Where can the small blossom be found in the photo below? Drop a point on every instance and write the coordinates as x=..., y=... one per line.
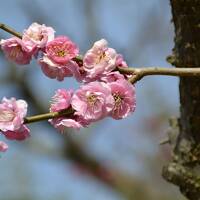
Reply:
x=56, y=71
x=3, y=146
x=21, y=134
x=99, y=59
x=124, y=95
x=16, y=51
x=61, y=50
x=112, y=77
x=93, y=101
x=120, y=61
x=60, y=101
x=74, y=121
x=57, y=61
x=37, y=36
x=12, y=113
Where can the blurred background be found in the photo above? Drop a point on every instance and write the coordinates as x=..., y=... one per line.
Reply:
x=110, y=160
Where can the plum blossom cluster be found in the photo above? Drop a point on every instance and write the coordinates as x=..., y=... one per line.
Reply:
x=59, y=57
x=104, y=93
x=94, y=101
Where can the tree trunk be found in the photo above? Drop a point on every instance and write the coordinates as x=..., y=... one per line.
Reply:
x=184, y=171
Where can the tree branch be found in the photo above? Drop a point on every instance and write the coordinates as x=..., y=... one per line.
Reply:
x=10, y=30
x=137, y=74
x=51, y=115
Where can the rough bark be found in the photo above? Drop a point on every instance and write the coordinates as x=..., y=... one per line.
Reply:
x=184, y=171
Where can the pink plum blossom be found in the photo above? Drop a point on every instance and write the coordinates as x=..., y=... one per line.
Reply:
x=74, y=121
x=16, y=51
x=21, y=134
x=61, y=50
x=12, y=113
x=57, y=61
x=60, y=101
x=93, y=101
x=37, y=36
x=3, y=146
x=120, y=61
x=124, y=95
x=99, y=59
x=57, y=71
x=112, y=77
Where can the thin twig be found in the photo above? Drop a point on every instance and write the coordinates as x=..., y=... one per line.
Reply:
x=51, y=115
x=139, y=73
x=10, y=30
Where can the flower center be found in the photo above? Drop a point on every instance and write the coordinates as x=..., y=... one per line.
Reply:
x=6, y=116
x=61, y=53
x=118, y=99
x=92, y=99
x=100, y=57
x=36, y=36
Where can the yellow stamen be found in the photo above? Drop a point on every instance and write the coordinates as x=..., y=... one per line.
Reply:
x=92, y=99
x=100, y=57
x=36, y=36
x=61, y=53
x=6, y=116
x=118, y=99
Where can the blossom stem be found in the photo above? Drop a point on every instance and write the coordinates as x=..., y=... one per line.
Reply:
x=10, y=30
x=51, y=115
x=139, y=73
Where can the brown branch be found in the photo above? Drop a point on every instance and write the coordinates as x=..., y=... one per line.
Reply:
x=139, y=73
x=10, y=30
x=51, y=115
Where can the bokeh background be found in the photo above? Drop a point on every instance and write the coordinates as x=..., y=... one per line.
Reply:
x=111, y=160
